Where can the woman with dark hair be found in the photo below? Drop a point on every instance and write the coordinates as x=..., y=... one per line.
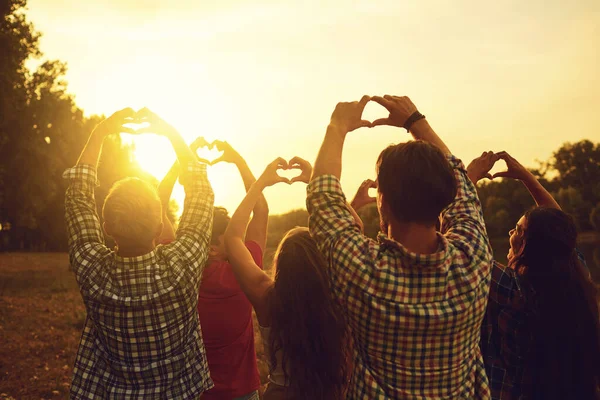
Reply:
x=541, y=334
x=303, y=329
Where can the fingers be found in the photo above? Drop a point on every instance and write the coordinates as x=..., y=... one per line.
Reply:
x=217, y=160
x=388, y=104
x=280, y=163
x=381, y=121
x=125, y=129
x=363, y=102
x=147, y=129
x=503, y=174
x=124, y=113
x=299, y=163
x=364, y=124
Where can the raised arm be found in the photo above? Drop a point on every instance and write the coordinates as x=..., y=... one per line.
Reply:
x=165, y=189
x=85, y=236
x=404, y=114
x=257, y=228
x=252, y=279
x=195, y=226
x=515, y=170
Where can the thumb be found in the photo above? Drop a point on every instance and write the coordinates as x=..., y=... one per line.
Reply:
x=489, y=176
x=503, y=174
x=364, y=124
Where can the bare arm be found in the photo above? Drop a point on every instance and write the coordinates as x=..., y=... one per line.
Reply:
x=345, y=118
x=165, y=189
x=516, y=171
x=257, y=228
x=252, y=279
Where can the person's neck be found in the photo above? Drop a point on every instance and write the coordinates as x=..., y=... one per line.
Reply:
x=420, y=239
x=134, y=250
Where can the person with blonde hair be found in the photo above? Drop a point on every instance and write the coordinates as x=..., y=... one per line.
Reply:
x=141, y=338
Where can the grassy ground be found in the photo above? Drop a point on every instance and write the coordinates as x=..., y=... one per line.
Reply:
x=41, y=317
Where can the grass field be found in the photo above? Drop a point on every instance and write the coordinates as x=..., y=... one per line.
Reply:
x=42, y=314
x=41, y=317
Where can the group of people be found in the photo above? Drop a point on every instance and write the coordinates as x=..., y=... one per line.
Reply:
x=423, y=312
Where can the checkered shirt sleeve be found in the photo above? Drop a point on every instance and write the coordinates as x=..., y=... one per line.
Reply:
x=504, y=337
x=193, y=234
x=142, y=336
x=84, y=233
x=416, y=318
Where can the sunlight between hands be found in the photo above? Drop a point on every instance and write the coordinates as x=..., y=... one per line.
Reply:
x=114, y=123
x=362, y=197
x=347, y=116
x=305, y=168
x=514, y=169
x=399, y=107
x=480, y=167
x=270, y=176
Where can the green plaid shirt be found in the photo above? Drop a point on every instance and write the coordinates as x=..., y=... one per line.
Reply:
x=415, y=318
x=141, y=338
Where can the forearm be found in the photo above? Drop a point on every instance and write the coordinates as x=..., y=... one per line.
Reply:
x=91, y=151
x=185, y=155
x=239, y=220
x=540, y=195
x=165, y=187
x=421, y=130
x=249, y=179
x=329, y=159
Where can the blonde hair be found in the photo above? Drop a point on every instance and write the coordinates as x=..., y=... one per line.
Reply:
x=133, y=211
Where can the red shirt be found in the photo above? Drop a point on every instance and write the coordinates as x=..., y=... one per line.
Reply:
x=227, y=330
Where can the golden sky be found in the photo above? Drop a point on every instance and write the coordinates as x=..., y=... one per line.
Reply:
x=520, y=76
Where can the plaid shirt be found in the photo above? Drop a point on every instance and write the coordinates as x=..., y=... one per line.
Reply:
x=141, y=338
x=505, y=337
x=416, y=318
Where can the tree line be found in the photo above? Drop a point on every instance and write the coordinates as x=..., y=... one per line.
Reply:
x=42, y=130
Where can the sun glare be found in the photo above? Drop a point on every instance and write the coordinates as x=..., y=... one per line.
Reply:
x=183, y=97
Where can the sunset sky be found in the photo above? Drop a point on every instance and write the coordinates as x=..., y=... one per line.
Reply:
x=520, y=76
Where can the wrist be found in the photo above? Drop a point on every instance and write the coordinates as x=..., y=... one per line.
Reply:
x=334, y=129
x=420, y=126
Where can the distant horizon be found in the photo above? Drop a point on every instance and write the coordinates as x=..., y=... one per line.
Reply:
x=266, y=76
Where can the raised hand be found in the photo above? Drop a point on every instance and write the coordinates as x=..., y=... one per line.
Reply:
x=114, y=123
x=480, y=167
x=199, y=142
x=362, y=198
x=348, y=116
x=514, y=169
x=305, y=168
x=400, y=108
x=229, y=155
x=270, y=176
x=157, y=125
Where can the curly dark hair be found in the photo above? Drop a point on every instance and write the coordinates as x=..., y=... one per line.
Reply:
x=564, y=355
x=307, y=325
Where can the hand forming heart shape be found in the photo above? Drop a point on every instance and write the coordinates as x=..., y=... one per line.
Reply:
x=272, y=174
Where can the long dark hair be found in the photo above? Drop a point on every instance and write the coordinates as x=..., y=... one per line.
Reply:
x=307, y=325
x=564, y=355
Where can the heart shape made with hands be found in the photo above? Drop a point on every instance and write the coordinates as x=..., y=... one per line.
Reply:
x=290, y=171
x=136, y=122
x=209, y=153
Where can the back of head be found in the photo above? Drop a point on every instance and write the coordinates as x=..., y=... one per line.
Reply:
x=564, y=358
x=416, y=181
x=132, y=212
x=221, y=219
x=307, y=325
